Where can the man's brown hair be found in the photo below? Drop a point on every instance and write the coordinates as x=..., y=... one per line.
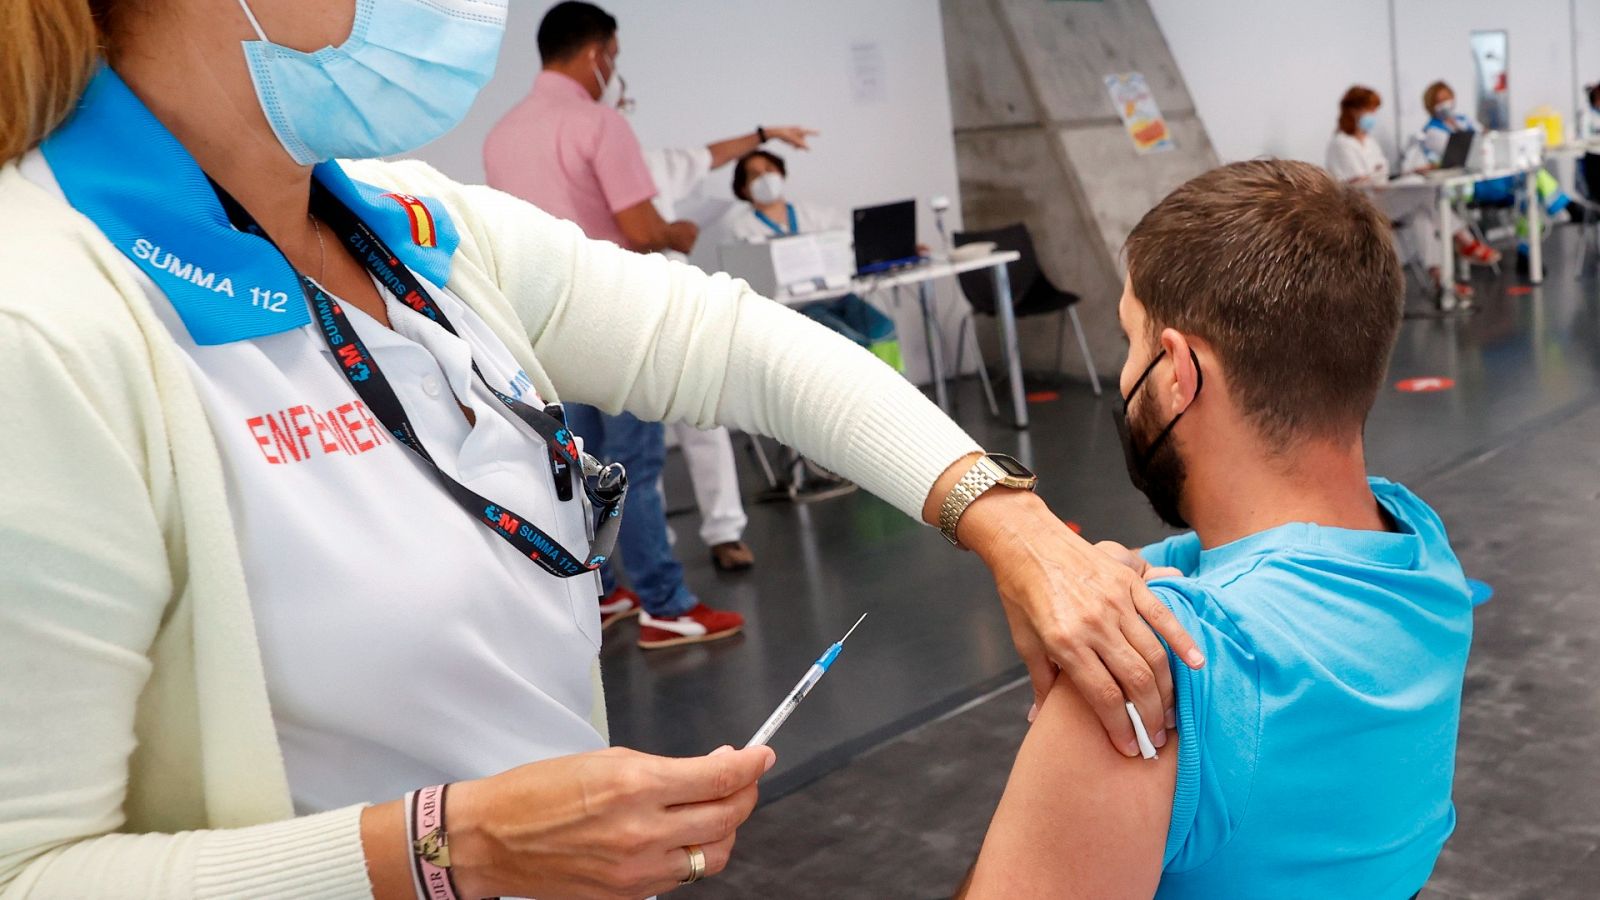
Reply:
x=1292, y=279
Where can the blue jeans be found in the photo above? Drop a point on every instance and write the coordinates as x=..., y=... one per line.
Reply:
x=656, y=574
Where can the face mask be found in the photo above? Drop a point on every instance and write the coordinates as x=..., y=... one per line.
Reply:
x=613, y=90
x=407, y=74
x=1443, y=110
x=767, y=189
x=1367, y=123
x=1157, y=470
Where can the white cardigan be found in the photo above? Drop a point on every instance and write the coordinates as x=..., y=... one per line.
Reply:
x=137, y=750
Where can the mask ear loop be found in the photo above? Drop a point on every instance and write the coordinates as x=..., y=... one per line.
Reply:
x=1199, y=382
x=253, y=23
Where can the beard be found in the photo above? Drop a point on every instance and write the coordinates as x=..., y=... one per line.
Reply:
x=1154, y=466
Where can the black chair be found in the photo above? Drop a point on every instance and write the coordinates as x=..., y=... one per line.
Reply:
x=1588, y=200
x=1032, y=294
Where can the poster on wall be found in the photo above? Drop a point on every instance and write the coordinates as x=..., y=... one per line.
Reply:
x=1140, y=115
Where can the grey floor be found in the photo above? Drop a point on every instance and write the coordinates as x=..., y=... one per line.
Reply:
x=889, y=772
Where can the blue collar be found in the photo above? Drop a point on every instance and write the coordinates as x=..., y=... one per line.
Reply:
x=119, y=166
x=794, y=226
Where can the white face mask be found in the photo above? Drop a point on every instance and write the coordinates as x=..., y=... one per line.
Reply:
x=1444, y=109
x=767, y=189
x=612, y=89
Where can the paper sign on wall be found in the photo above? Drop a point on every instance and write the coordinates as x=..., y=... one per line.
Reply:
x=1140, y=115
x=868, y=74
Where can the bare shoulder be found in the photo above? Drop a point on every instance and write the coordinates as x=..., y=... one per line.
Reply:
x=1078, y=819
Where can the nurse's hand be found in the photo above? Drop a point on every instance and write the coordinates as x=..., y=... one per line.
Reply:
x=613, y=823
x=1134, y=560
x=1072, y=608
x=793, y=135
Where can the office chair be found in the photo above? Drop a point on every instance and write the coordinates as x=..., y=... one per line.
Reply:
x=1032, y=294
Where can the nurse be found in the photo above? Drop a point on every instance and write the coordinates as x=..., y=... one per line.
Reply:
x=759, y=179
x=296, y=552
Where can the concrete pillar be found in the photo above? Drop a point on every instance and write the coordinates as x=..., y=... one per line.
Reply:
x=1039, y=141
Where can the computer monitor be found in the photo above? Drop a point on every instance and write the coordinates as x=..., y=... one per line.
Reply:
x=886, y=236
x=1457, y=150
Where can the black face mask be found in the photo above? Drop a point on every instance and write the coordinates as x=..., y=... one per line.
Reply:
x=1157, y=470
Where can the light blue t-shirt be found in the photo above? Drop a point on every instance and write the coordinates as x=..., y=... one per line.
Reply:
x=1317, y=746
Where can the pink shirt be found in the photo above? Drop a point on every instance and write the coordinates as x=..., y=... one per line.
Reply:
x=570, y=156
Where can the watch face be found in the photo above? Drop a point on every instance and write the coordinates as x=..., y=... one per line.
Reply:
x=1010, y=466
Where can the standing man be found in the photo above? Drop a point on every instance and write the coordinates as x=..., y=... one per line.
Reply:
x=566, y=149
x=677, y=173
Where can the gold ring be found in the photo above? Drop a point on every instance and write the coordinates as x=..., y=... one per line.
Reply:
x=697, y=864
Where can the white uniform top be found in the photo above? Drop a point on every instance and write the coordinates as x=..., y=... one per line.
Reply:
x=677, y=172
x=808, y=218
x=1589, y=123
x=454, y=657
x=1352, y=158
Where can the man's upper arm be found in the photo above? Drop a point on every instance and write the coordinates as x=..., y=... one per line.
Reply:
x=1078, y=819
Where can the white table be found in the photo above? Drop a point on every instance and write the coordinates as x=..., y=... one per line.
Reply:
x=1448, y=182
x=1444, y=184
x=920, y=276
x=1570, y=152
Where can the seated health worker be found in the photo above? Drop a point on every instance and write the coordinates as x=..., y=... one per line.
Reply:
x=1355, y=157
x=760, y=179
x=1313, y=757
x=1440, y=102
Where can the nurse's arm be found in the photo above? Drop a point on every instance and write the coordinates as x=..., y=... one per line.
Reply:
x=667, y=342
x=1077, y=819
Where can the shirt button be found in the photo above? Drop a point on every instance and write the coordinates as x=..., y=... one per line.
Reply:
x=430, y=385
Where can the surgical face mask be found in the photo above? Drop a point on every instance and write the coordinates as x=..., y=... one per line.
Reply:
x=613, y=90
x=1443, y=109
x=1156, y=469
x=767, y=189
x=1368, y=122
x=407, y=74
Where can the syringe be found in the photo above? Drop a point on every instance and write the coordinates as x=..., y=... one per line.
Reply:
x=812, y=676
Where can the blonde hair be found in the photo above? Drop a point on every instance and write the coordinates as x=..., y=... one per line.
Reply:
x=48, y=50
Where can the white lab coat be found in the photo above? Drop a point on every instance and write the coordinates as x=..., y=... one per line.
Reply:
x=809, y=218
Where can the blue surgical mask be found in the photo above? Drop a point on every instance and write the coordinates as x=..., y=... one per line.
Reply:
x=1368, y=122
x=407, y=74
x=1442, y=111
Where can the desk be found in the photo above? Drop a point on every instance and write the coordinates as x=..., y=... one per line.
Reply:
x=1445, y=183
x=1571, y=152
x=921, y=276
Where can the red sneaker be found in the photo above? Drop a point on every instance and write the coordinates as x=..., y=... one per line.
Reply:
x=696, y=626
x=618, y=605
x=1479, y=253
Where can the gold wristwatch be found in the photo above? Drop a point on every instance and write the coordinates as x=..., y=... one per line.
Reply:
x=991, y=469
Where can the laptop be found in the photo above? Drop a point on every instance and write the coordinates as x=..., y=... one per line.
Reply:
x=886, y=237
x=1456, y=152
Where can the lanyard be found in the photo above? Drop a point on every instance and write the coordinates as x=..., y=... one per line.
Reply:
x=606, y=486
x=794, y=226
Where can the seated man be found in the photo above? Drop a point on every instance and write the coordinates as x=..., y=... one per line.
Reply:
x=1312, y=756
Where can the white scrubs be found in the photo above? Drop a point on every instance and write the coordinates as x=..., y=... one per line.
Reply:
x=1360, y=161
x=403, y=643
x=809, y=218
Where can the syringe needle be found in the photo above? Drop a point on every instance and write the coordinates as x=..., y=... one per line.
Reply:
x=853, y=628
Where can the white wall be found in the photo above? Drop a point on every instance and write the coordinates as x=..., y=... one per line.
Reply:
x=707, y=69
x=1267, y=75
